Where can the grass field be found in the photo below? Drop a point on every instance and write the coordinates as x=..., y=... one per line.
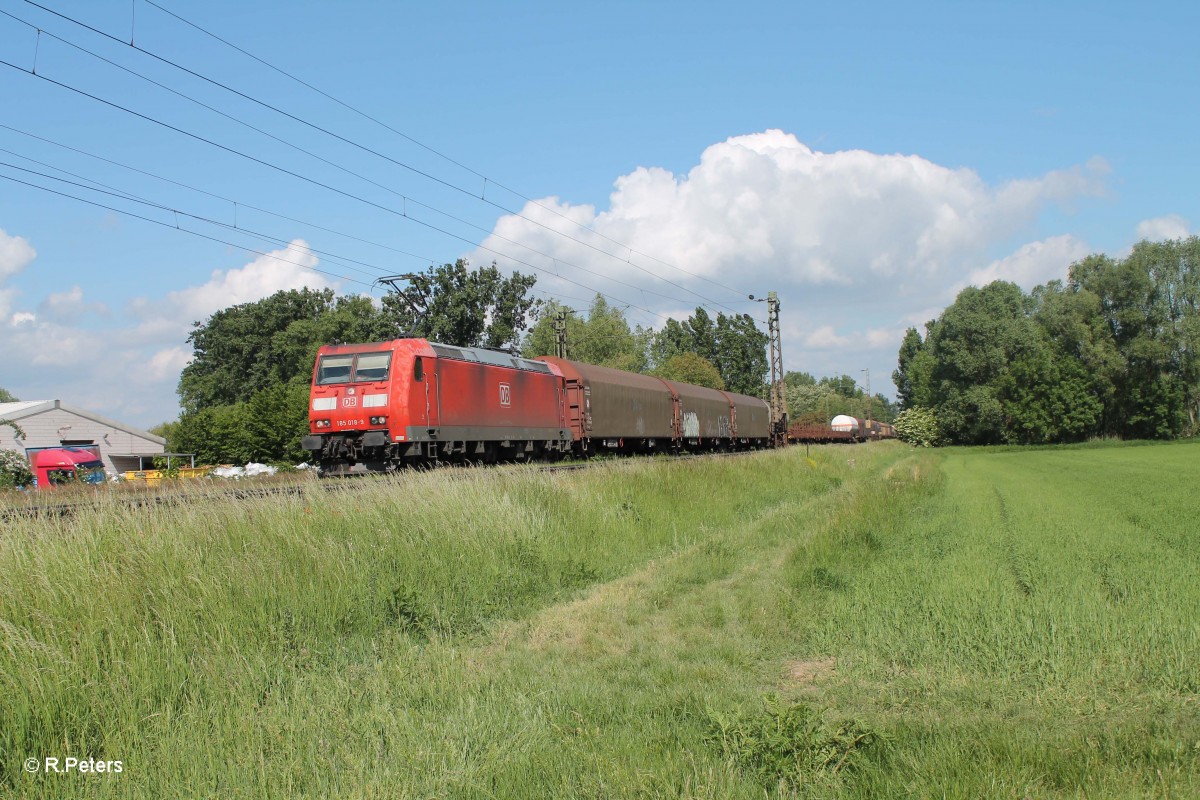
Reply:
x=867, y=622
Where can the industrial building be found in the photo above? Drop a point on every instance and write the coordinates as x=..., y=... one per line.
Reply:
x=52, y=423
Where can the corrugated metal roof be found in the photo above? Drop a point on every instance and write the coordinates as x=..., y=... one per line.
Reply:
x=22, y=406
x=20, y=410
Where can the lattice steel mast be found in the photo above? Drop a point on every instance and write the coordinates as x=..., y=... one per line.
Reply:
x=778, y=397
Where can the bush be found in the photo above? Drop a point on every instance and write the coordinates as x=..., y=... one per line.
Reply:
x=14, y=470
x=919, y=427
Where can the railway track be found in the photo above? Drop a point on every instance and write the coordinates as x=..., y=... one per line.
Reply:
x=51, y=510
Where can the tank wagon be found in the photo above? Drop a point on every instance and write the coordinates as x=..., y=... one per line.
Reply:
x=841, y=429
x=380, y=406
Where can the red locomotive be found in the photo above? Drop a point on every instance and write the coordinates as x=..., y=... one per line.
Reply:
x=376, y=407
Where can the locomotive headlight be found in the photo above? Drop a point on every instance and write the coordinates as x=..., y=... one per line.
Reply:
x=323, y=423
x=379, y=420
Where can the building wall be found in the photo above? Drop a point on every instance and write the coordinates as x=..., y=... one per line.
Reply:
x=49, y=428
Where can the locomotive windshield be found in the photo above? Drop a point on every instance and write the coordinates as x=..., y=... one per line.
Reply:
x=372, y=367
x=353, y=368
x=334, y=369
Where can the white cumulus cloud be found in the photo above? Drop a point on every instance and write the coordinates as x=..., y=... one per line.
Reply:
x=857, y=244
x=168, y=363
x=1033, y=264
x=69, y=304
x=765, y=207
x=15, y=254
x=1158, y=229
x=823, y=337
x=287, y=268
x=127, y=365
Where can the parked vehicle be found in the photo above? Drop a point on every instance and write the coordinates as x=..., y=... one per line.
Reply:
x=59, y=466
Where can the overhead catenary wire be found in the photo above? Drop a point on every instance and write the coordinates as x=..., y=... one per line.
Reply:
x=627, y=260
x=179, y=228
x=334, y=258
x=486, y=179
x=114, y=192
x=407, y=199
x=231, y=201
x=557, y=296
x=402, y=214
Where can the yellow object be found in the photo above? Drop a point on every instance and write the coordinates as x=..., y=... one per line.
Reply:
x=153, y=477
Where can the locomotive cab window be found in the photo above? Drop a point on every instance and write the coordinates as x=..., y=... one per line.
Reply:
x=334, y=369
x=418, y=369
x=372, y=367
x=353, y=368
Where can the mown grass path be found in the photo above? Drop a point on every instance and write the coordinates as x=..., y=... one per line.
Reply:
x=871, y=622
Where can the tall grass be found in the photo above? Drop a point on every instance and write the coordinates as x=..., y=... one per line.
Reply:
x=1028, y=630
x=215, y=644
x=871, y=622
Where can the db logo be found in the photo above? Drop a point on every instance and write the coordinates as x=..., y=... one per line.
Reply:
x=349, y=402
x=505, y=395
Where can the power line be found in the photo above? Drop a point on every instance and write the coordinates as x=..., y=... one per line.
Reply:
x=403, y=214
x=415, y=170
x=235, y=203
x=429, y=148
x=341, y=138
x=288, y=245
x=179, y=228
x=407, y=199
x=337, y=191
x=127, y=195
x=114, y=192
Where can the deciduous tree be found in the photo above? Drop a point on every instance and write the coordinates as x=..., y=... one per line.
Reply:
x=691, y=368
x=741, y=355
x=454, y=304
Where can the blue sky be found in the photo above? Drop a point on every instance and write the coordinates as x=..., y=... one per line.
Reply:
x=864, y=161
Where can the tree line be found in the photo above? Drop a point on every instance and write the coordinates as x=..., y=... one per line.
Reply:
x=1114, y=351
x=244, y=395
x=813, y=401
x=728, y=352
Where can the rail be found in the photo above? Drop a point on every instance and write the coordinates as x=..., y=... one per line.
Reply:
x=53, y=510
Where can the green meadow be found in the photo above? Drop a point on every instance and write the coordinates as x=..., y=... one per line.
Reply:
x=865, y=622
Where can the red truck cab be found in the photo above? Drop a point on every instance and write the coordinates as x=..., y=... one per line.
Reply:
x=62, y=465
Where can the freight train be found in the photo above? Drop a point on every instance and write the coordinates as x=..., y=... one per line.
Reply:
x=386, y=405
x=842, y=429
